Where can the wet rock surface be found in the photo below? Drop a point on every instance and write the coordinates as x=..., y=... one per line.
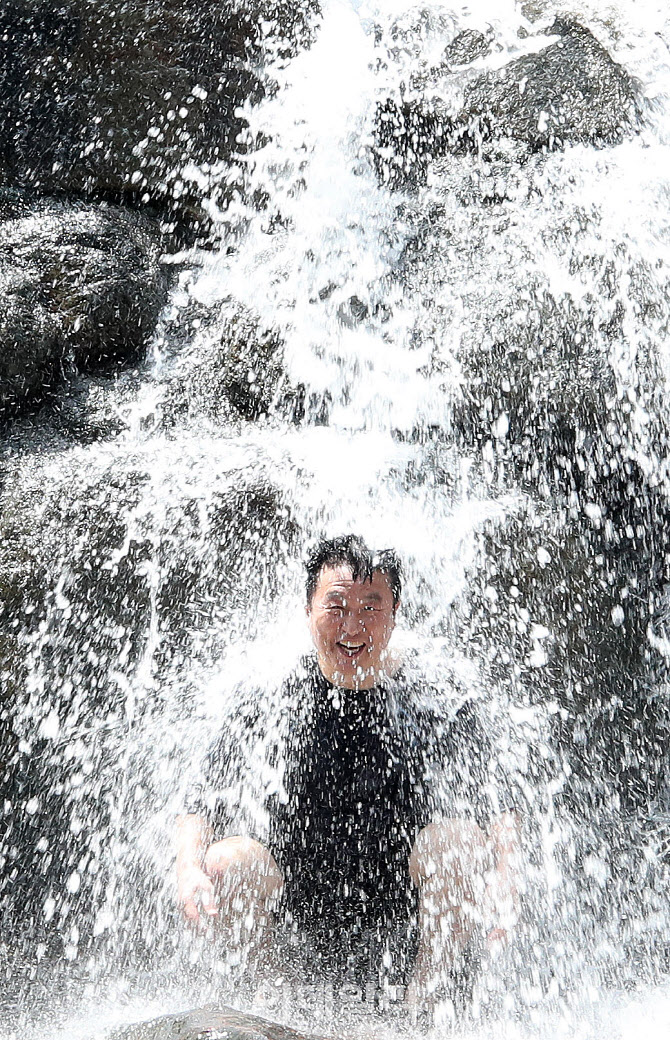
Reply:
x=561, y=609
x=89, y=407
x=567, y=91
x=90, y=565
x=207, y=1023
x=570, y=92
x=561, y=402
x=100, y=545
x=232, y=370
x=125, y=569
x=113, y=100
x=82, y=288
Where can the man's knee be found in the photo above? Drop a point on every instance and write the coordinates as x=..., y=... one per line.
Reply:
x=243, y=863
x=450, y=850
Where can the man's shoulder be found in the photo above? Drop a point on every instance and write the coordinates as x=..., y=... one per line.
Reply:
x=256, y=704
x=438, y=694
x=304, y=672
x=436, y=704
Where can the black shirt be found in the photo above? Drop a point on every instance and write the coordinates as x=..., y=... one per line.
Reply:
x=338, y=783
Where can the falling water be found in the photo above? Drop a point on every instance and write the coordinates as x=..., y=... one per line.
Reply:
x=382, y=404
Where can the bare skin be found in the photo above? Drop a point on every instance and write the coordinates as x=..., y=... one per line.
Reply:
x=195, y=888
x=234, y=883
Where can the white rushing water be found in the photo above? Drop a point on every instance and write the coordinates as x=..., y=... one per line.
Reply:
x=387, y=464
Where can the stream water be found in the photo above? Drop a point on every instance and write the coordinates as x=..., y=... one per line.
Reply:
x=179, y=572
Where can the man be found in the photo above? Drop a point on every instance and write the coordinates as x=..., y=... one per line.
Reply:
x=377, y=837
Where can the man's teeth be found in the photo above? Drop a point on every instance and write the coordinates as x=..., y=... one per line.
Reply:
x=352, y=648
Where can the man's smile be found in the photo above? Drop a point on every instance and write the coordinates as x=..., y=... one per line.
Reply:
x=351, y=649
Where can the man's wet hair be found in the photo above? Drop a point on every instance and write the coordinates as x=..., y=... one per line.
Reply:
x=351, y=551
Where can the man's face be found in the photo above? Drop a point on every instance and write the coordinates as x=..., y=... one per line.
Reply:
x=351, y=623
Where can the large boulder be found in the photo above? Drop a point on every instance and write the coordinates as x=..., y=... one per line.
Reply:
x=543, y=319
x=569, y=91
x=105, y=549
x=543, y=387
x=82, y=287
x=559, y=608
x=117, y=99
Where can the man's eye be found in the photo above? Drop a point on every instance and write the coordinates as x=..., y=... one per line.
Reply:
x=370, y=607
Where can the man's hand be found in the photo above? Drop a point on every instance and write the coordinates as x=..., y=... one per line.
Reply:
x=195, y=894
x=195, y=889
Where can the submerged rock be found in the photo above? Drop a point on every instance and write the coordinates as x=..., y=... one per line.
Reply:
x=82, y=287
x=567, y=92
x=208, y=1024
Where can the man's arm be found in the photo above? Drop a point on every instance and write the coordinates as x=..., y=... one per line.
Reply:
x=195, y=891
x=476, y=773
x=203, y=812
x=504, y=833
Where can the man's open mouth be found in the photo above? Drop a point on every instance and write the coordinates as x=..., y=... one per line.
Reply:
x=351, y=649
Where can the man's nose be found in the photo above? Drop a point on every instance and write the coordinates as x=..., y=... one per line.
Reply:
x=353, y=622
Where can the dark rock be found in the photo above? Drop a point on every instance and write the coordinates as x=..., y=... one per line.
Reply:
x=354, y=312
x=32, y=346
x=115, y=99
x=569, y=92
x=208, y=1023
x=89, y=407
x=560, y=606
x=233, y=369
x=251, y=367
x=213, y=556
x=417, y=31
x=541, y=381
x=466, y=48
x=116, y=576
x=82, y=286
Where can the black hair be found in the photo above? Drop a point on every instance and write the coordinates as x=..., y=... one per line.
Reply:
x=351, y=550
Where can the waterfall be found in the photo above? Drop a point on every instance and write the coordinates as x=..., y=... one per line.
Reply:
x=436, y=324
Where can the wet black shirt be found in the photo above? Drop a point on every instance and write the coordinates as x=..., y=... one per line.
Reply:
x=344, y=781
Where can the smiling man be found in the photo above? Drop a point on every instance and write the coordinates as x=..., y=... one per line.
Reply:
x=351, y=617
x=379, y=846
